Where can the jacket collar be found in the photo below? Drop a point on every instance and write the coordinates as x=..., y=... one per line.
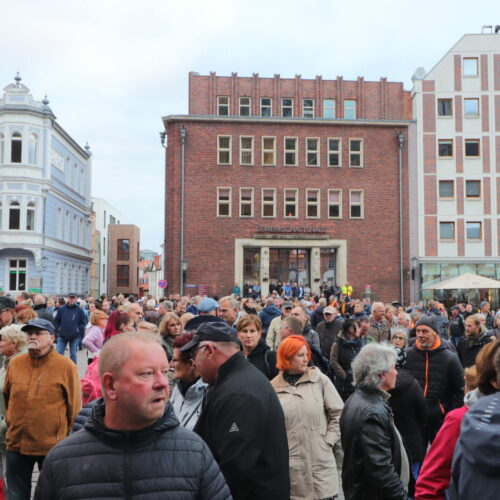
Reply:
x=225, y=369
x=281, y=385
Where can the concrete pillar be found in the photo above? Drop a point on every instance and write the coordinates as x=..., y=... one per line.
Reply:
x=264, y=270
x=315, y=269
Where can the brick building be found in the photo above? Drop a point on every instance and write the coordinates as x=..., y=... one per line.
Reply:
x=272, y=179
x=124, y=258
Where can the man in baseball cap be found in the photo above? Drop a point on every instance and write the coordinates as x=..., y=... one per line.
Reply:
x=7, y=311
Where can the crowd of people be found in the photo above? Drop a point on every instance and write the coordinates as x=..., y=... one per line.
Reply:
x=285, y=397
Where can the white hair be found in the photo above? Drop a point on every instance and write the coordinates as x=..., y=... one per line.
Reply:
x=372, y=360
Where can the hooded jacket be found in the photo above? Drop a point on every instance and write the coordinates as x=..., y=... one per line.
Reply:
x=267, y=315
x=70, y=322
x=188, y=407
x=476, y=461
x=160, y=461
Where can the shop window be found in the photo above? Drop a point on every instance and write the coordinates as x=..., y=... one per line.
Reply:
x=269, y=151
x=291, y=208
x=473, y=190
x=245, y=103
x=446, y=230
x=122, y=275
x=445, y=148
x=16, y=148
x=291, y=152
x=246, y=202
x=470, y=66
x=356, y=202
x=334, y=152
x=17, y=275
x=349, y=109
x=355, y=152
x=308, y=108
x=334, y=204
x=246, y=150
x=222, y=105
x=32, y=149
x=312, y=151
x=123, y=250
x=471, y=107
x=446, y=189
x=287, y=107
x=312, y=203
x=473, y=230
x=266, y=104
x=30, y=216
x=472, y=148
x=14, y=215
x=224, y=202
x=224, y=149
x=268, y=202
x=329, y=109
x=445, y=107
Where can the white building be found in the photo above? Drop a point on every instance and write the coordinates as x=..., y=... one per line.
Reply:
x=45, y=227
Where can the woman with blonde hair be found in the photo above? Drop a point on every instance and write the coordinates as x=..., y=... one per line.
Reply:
x=312, y=408
x=170, y=327
x=94, y=335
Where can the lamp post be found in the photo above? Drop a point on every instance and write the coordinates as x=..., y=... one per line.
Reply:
x=401, y=140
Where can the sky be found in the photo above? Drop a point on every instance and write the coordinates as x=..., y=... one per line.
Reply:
x=111, y=69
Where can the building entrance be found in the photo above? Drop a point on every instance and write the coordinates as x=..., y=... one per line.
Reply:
x=289, y=265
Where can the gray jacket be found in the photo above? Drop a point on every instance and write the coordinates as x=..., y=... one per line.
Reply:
x=188, y=407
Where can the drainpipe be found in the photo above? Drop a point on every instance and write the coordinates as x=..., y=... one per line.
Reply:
x=401, y=140
x=183, y=158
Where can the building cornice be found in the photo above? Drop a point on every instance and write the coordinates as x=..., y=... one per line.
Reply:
x=27, y=110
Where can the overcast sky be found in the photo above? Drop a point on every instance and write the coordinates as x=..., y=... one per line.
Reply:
x=112, y=69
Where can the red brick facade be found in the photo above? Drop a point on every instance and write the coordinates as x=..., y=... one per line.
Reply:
x=372, y=242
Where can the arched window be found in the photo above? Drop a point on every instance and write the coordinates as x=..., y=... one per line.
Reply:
x=32, y=149
x=30, y=216
x=14, y=215
x=16, y=148
x=2, y=147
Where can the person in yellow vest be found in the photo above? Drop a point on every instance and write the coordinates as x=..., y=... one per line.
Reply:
x=347, y=290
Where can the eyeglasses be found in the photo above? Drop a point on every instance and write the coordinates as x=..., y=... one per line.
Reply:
x=199, y=348
x=398, y=338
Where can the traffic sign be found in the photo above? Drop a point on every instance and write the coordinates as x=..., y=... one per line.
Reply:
x=162, y=284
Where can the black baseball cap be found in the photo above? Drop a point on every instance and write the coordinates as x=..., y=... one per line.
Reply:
x=6, y=303
x=215, y=331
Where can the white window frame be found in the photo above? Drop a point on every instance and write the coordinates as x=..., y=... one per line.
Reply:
x=296, y=193
x=32, y=149
x=17, y=270
x=292, y=151
x=273, y=151
x=15, y=204
x=478, y=141
x=348, y=109
x=245, y=106
x=247, y=150
x=316, y=204
x=315, y=151
x=339, y=192
x=30, y=207
x=352, y=152
x=307, y=111
x=453, y=189
x=265, y=203
x=290, y=107
x=224, y=202
x=328, y=106
x=361, y=203
x=476, y=74
x=246, y=202
x=224, y=150
x=338, y=151
x=266, y=106
x=219, y=105
x=17, y=137
x=472, y=115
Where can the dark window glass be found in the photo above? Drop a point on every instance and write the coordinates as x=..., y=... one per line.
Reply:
x=446, y=189
x=355, y=211
x=472, y=148
x=445, y=148
x=444, y=107
x=16, y=150
x=123, y=250
x=122, y=275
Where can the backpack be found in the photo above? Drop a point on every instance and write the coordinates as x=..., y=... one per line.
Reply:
x=91, y=386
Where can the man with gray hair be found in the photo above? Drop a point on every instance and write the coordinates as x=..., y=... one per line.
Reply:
x=375, y=462
x=380, y=329
x=229, y=310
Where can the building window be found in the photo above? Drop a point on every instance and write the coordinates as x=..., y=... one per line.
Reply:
x=355, y=152
x=473, y=190
x=268, y=151
x=312, y=152
x=246, y=150
x=2, y=147
x=473, y=230
x=222, y=105
x=67, y=226
x=246, y=202
x=287, y=107
x=446, y=230
x=32, y=149
x=308, y=108
x=17, y=275
x=470, y=66
x=224, y=149
x=334, y=152
x=224, y=202
x=329, y=108
x=123, y=250
x=291, y=152
x=445, y=107
x=356, y=204
x=445, y=148
x=122, y=275
x=312, y=203
x=349, y=109
x=472, y=148
x=104, y=273
x=471, y=107
x=104, y=219
x=245, y=106
x=82, y=182
x=268, y=202
x=30, y=216
x=60, y=225
x=104, y=246
x=14, y=215
x=334, y=204
x=291, y=208
x=266, y=104
x=446, y=189
x=112, y=220
x=16, y=148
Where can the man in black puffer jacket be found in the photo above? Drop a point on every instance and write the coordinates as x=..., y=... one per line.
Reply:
x=133, y=446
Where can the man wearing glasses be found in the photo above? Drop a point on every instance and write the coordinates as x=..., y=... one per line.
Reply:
x=42, y=398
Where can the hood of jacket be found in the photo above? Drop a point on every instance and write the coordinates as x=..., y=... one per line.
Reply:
x=272, y=310
x=473, y=397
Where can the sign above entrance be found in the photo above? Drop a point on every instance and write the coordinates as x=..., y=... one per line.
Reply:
x=290, y=229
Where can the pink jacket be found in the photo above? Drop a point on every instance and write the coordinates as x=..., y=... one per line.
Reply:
x=94, y=338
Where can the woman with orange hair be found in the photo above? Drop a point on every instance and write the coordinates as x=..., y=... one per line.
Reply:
x=312, y=408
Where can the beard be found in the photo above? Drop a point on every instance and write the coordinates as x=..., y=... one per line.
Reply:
x=33, y=344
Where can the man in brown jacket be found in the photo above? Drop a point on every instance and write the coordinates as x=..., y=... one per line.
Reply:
x=380, y=329
x=42, y=397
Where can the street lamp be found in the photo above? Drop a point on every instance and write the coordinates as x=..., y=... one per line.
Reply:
x=163, y=137
x=401, y=139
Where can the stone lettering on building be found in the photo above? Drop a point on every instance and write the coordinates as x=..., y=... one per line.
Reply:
x=290, y=229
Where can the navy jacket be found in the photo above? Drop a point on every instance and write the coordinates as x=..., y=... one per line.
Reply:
x=70, y=322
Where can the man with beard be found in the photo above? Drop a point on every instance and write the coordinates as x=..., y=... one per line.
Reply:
x=42, y=397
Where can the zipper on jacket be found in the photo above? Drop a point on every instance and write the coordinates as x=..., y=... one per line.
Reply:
x=426, y=373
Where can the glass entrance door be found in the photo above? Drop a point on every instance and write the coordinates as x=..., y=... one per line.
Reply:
x=289, y=265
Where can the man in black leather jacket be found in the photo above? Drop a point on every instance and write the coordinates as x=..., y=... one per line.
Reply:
x=133, y=446
x=375, y=466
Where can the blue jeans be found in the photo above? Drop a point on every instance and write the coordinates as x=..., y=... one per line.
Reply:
x=73, y=346
x=19, y=472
